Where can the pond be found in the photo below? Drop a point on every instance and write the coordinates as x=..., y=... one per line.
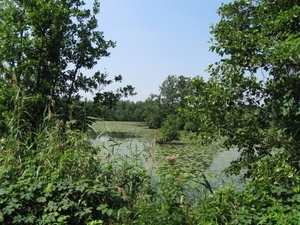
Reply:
x=191, y=156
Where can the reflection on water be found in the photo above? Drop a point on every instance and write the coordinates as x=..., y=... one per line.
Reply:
x=113, y=134
x=103, y=138
x=124, y=145
x=219, y=163
x=223, y=160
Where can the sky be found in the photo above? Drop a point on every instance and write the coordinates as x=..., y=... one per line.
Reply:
x=155, y=39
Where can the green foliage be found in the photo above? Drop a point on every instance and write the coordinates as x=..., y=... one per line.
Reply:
x=256, y=115
x=67, y=181
x=168, y=198
x=129, y=111
x=59, y=177
x=7, y=100
x=173, y=92
x=64, y=180
x=154, y=113
x=169, y=131
x=217, y=208
x=45, y=49
x=124, y=111
x=273, y=197
x=252, y=100
x=177, y=192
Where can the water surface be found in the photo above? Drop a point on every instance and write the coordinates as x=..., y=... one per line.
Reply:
x=131, y=138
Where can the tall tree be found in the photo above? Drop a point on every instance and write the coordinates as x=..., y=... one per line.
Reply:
x=153, y=112
x=173, y=91
x=46, y=48
x=253, y=97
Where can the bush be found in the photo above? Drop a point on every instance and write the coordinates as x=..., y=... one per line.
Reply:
x=273, y=197
x=62, y=179
x=169, y=131
x=217, y=208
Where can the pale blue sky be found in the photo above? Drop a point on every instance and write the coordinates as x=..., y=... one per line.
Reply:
x=157, y=38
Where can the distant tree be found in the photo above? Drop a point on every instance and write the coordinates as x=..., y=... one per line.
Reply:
x=139, y=110
x=169, y=130
x=154, y=113
x=123, y=110
x=173, y=93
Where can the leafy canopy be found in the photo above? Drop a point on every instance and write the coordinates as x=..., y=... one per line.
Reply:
x=173, y=91
x=252, y=96
x=46, y=47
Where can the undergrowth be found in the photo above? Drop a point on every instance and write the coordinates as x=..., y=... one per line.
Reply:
x=50, y=177
x=61, y=178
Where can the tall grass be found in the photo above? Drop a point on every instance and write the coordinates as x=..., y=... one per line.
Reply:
x=59, y=178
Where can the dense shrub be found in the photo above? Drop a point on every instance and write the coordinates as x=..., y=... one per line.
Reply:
x=63, y=179
x=273, y=197
x=169, y=131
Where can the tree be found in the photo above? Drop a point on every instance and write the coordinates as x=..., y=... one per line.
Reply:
x=128, y=111
x=169, y=130
x=252, y=96
x=153, y=112
x=46, y=48
x=252, y=99
x=173, y=92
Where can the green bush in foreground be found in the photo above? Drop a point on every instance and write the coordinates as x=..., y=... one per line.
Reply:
x=63, y=179
x=274, y=196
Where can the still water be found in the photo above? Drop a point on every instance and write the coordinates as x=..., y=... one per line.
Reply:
x=192, y=157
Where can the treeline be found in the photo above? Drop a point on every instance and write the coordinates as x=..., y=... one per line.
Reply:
x=123, y=110
x=159, y=111
x=153, y=111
